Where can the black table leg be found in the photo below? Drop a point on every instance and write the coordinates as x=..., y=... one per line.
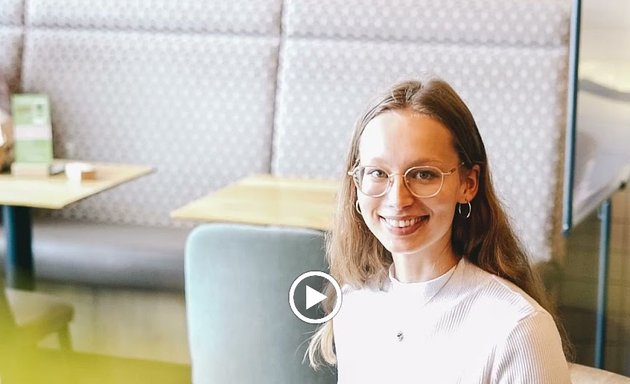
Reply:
x=19, y=268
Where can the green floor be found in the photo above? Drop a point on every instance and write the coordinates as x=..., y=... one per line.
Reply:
x=34, y=366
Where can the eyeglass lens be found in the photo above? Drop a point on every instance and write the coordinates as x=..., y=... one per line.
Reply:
x=422, y=181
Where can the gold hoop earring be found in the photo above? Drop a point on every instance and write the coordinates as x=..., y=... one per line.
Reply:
x=459, y=209
x=356, y=206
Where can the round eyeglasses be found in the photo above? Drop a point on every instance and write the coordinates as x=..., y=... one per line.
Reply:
x=423, y=181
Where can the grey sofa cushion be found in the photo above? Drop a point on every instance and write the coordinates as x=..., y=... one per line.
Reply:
x=108, y=255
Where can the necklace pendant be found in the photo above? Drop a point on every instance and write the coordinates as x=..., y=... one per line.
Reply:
x=400, y=336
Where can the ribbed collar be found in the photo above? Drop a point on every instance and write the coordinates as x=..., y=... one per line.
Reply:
x=425, y=290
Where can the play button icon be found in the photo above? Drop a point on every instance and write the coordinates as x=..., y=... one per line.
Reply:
x=306, y=294
x=313, y=297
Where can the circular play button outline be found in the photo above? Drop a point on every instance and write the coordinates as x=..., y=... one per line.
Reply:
x=331, y=280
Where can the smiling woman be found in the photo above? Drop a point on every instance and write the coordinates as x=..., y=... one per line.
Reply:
x=414, y=223
x=436, y=285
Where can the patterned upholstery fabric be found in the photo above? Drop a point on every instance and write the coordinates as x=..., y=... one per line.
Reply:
x=11, y=41
x=10, y=48
x=197, y=108
x=514, y=81
x=193, y=99
x=260, y=17
x=483, y=22
x=11, y=12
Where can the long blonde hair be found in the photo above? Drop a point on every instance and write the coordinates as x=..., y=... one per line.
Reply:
x=357, y=258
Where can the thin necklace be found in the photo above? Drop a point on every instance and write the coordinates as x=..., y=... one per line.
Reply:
x=409, y=308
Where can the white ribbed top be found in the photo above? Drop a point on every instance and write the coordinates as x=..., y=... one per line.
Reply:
x=466, y=326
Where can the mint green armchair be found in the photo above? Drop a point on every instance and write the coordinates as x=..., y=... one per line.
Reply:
x=240, y=326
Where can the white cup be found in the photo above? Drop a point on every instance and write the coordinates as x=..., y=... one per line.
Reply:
x=78, y=171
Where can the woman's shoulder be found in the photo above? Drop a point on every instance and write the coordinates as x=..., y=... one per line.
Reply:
x=500, y=294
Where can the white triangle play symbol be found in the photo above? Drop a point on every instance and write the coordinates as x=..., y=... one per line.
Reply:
x=313, y=297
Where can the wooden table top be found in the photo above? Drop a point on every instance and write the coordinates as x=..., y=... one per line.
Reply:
x=267, y=199
x=56, y=191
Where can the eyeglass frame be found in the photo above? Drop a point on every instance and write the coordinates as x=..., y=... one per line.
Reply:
x=404, y=175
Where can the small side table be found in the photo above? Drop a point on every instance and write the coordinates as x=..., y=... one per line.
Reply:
x=267, y=200
x=18, y=194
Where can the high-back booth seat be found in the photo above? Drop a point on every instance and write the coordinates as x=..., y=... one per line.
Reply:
x=208, y=92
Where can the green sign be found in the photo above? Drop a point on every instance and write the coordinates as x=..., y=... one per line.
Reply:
x=32, y=129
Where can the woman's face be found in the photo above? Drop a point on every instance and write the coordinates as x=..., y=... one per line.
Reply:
x=405, y=224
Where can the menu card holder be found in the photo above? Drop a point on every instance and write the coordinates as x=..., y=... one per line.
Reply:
x=32, y=133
